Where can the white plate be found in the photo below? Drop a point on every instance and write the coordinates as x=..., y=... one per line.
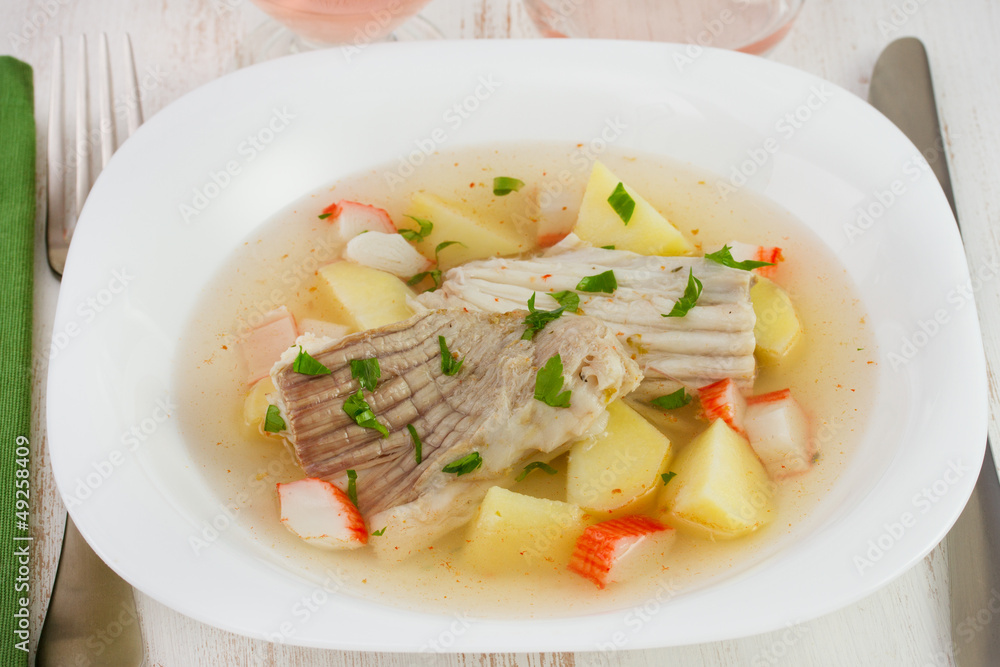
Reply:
x=815, y=149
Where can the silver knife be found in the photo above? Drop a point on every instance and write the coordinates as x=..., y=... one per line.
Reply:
x=901, y=89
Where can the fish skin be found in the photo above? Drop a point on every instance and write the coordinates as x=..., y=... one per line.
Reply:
x=488, y=407
x=713, y=341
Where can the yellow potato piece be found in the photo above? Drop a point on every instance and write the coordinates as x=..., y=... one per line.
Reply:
x=721, y=489
x=614, y=470
x=362, y=297
x=255, y=404
x=777, y=329
x=647, y=231
x=518, y=533
x=480, y=238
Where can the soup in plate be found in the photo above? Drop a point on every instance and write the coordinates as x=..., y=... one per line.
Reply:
x=519, y=381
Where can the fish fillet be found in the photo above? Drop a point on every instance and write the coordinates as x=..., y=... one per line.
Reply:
x=715, y=340
x=487, y=407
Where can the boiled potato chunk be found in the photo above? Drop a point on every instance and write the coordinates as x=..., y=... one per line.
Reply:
x=517, y=533
x=364, y=298
x=255, y=404
x=613, y=470
x=721, y=489
x=777, y=329
x=647, y=231
x=481, y=238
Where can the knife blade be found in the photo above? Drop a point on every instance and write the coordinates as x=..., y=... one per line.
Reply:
x=902, y=89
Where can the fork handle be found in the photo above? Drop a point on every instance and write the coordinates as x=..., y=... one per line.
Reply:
x=92, y=616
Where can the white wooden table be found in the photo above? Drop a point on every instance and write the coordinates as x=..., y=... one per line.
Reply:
x=182, y=44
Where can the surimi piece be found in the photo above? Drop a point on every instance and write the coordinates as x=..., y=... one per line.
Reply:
x=605, y=548
x=387, y=252
x=742, y=252
x=353, y=218
x=556, y=211
x=265, y=343
x=778, y=429
x=321, y=514
x=723, y=400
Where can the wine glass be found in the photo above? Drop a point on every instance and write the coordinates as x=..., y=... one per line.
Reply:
x=304, y=25
x=752, y=26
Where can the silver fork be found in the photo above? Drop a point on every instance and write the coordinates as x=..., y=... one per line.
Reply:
x=60, y=222
x=91, y=617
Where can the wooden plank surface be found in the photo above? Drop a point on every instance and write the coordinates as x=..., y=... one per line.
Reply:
x=181, y=44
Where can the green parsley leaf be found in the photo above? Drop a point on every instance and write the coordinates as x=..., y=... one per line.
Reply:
x=725, y=257
x=324, y=216
x=535, y=465
x=304, y=363
x=417, y=445
x=667, y=476
x=570, y=301
x=435, y=275
x=426, y=227
x=366, y=372
x=444, y=244
x=678, y=399
x=686, y=302
x=607, y=247
x=622, y=203
x=358, y=409
x=549, y=383
x=536, y=320
x=379, y=533
x=448, y=364
x=504, y=185
x=602, y=282
x=464, y=465
x=273, y=423
x=352, y=486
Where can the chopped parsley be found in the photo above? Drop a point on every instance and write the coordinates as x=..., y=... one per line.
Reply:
x=304, y=363
x=449, y=364
x=602, y=282
x=324, y=216
x=686, y=302
x=464, y=465
x=504, y=185
x=417, y=445
x=535, y=465
x=607, y=247
x=622, y=203
x=366, y=372
x=352, y=486
x=434, y=273
x=358, y=409
x=273, y=423
x=426, y=227
x=536, y=320
x=667, y=476
x=549, y=383
x=725, y=257
x=379, y=533
x=678, y=399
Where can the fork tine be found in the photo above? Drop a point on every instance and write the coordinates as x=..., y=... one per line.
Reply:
x=55, y=230
x=82, y=121
x=133, y=105
x=106, y=95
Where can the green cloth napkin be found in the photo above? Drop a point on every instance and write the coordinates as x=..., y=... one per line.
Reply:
x=17, y=233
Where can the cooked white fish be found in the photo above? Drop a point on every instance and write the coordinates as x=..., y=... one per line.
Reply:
x=714, y=341
x=488, y=407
